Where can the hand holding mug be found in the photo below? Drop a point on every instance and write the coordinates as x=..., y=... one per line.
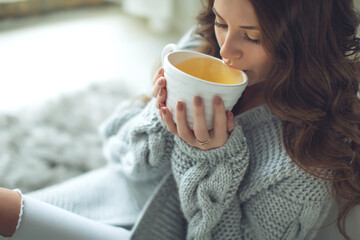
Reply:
x=190, y=90
x=200, y=137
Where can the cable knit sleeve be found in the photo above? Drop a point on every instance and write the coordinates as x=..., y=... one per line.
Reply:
x=208, y=181
x=136, y=141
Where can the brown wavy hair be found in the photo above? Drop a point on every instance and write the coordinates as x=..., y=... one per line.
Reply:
x=313, y=86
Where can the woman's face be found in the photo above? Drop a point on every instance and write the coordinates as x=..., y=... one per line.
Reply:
x=238, y=34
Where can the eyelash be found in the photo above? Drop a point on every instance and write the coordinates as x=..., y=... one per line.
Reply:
x=246, y=37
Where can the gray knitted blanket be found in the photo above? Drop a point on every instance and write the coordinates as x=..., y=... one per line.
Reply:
x=48, y=143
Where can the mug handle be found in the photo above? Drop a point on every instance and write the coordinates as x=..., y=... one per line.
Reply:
x=167, y=49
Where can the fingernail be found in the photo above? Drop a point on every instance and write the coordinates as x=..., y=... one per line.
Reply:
x=160, y=70
x=163, y=111
x=160, y=82
x=217, y=100
x=180, y=106
x=198, y=101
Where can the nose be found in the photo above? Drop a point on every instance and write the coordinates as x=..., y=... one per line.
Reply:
x=230, y=48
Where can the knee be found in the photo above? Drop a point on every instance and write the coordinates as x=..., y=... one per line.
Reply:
x=10, y=207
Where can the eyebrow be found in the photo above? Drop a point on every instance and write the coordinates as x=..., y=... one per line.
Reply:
x=244, y=27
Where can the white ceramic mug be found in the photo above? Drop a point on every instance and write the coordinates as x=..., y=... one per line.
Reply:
x=184, y=87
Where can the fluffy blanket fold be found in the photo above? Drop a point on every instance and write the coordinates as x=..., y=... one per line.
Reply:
x=45, y=144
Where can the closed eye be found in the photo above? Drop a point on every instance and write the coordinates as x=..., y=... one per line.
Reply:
x=245, y=35
x=220, y=25
x=255, y=41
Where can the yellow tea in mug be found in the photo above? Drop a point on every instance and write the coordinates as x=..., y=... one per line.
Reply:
x=211, y=70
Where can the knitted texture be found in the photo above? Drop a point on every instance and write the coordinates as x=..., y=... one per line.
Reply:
x=247, y=189
x=104, y=194
x=155, y=224
x=278, y=199
x=208, y=181
x=137, y=141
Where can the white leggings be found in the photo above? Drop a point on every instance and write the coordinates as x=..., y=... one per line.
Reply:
x=42, y=221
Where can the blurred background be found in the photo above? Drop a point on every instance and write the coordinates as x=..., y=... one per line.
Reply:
x=52, y=46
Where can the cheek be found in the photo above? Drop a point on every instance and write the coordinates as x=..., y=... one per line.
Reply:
x=261, y=66
x=264, y=69
x=261, y=59
x=266, y=65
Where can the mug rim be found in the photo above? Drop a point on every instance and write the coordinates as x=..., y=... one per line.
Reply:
x=245, y=77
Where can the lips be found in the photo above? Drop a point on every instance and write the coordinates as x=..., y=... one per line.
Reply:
x=245, y=71
x=232, y=66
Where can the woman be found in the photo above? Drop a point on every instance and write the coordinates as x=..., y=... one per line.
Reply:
x=267, y=168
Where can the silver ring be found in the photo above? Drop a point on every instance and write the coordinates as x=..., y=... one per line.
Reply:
x=202, y=143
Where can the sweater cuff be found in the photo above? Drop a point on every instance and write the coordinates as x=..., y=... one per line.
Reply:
x=229, y=152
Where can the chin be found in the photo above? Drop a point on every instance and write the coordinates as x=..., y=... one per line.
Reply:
x=253, y=82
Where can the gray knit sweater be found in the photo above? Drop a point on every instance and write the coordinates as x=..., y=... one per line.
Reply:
x=247, y=189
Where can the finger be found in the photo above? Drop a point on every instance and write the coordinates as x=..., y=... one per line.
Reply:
x=161, y=98
x=159, y=73
x=200, y=129
x=160, y=83
x=183, y=129
x=220, y=120
x=168, y=120
x=230, y=121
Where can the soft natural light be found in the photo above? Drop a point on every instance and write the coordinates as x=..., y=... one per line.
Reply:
x=55, y=56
